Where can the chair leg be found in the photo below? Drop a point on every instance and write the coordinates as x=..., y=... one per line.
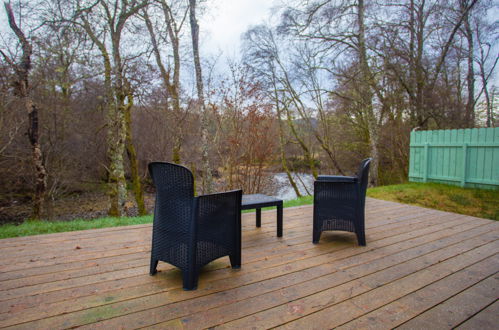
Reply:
x=361, y=238
x=190, y=280
x=154, y=265
x=360, y=229
x=316, y=235
x=235, y=260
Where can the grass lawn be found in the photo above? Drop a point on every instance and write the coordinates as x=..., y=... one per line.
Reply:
x=35, y=227
x=475, y=202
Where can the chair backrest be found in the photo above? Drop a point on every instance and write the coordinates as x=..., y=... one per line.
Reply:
x=174, y=196
x=363, y=176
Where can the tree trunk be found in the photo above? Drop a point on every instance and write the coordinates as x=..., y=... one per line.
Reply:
x=116, y=91
x=374, y=168
x=40, y=171
x=419, y=74
x=367, y=96
x=116, y=141
x=491, y=106
x=23, y=90
x=132, y=157
x=490, y=109
x=116, y=147
x=284, y=163
x=207, y=177
x=173, y=88
x=116, y=128
x=306, y=151
x=470, y=78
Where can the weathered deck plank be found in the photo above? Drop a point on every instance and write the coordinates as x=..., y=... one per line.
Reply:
x=419, y=265
x=485, y=319
x=476, y=296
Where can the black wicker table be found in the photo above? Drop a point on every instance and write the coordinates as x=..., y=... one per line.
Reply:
x=257, y=201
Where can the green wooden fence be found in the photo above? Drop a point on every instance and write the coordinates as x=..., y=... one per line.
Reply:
x=465, y=157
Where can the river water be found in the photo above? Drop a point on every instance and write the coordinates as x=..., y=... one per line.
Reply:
x=284, y=190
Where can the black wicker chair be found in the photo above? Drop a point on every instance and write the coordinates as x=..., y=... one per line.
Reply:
x=189, y=232
x=339, y=203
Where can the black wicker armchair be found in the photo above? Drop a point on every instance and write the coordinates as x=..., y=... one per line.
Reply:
x=339, y=203
x=189, y=232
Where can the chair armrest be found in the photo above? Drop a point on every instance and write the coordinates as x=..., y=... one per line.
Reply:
x=221, y=195
x=218, y=217
x=219, y=204
x=337, y=178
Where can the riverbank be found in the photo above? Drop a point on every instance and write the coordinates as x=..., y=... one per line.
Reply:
x=93, y=202
x=474, y=202
x=37, y=227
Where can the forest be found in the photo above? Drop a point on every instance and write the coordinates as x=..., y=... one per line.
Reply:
x=91, y=91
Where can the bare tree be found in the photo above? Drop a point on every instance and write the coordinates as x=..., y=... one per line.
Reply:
x=486, y=69
x=487, y=58
x=112, y=17
x=172, y=85
x=431, y=25
x=309, y=68
x=341, y=25
x=470, y=77
x=261, y=53
x=23, y=90
x=245, y=137
x=366, y=83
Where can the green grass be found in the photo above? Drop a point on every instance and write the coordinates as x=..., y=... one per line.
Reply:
x=36, y=227
x=306, y=200
x=299, y=201
x=475, y=202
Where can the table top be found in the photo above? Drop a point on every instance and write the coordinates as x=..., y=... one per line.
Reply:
x=259, y=200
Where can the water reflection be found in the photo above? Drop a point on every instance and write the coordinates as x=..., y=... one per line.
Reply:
x=285, y=191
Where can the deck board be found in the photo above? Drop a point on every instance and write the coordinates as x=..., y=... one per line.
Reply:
x=419, y=265
x=485, y=319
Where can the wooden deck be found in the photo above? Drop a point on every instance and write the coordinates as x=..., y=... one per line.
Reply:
x=421, y=269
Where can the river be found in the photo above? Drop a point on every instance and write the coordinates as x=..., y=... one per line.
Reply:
x=285, y=191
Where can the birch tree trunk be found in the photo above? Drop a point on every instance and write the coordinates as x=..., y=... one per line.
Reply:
x=115, y=138
x=116, y=14
x=470, y=77
x=207, y=177
x=485, y=52
x=23, y=91
x=367, y=95
x=306, y=150
x=172, y=86
x=132, y=157
x=300, y=107
x=284, y=163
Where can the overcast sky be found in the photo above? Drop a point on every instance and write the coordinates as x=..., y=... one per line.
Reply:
x=225, y=21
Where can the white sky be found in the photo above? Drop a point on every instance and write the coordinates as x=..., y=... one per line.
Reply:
x=225, y=20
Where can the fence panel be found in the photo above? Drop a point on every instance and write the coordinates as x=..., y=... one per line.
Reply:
x=465, y=157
